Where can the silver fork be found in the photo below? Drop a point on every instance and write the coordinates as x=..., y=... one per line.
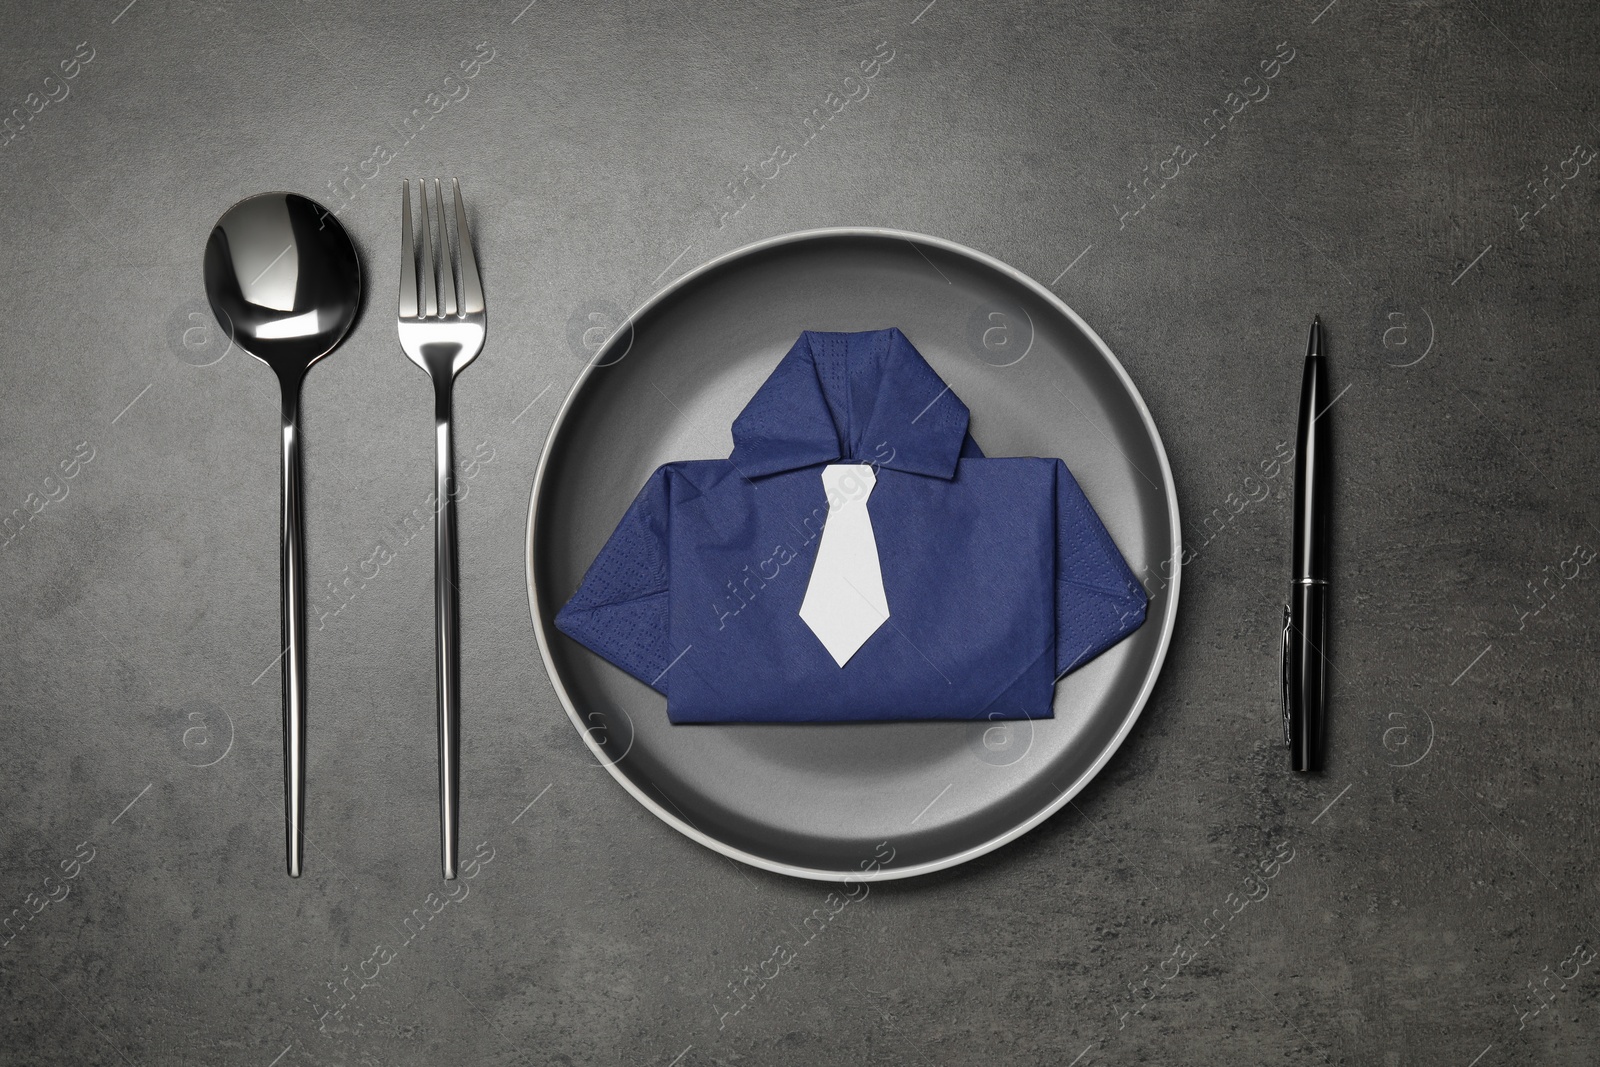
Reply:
x=442, y=335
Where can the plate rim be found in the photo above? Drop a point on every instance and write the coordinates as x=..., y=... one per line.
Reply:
x=883, y=873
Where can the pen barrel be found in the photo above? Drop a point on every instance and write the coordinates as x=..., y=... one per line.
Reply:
x=1313, y=480
x=1306, y=673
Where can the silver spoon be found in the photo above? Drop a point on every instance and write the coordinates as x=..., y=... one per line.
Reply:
x=283, y=278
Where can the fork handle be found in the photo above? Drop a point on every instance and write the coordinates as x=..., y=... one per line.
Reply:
x=447, y=623
x=292, y=546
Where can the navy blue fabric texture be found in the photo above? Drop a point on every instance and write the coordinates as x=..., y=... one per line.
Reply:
x=1000, y=576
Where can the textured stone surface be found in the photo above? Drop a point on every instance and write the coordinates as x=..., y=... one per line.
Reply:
x=1443, y=869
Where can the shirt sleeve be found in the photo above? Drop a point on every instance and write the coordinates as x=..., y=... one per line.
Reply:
x=620, y=609
x=1098, y=599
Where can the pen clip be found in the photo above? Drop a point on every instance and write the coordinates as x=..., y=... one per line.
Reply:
x=1285, y=659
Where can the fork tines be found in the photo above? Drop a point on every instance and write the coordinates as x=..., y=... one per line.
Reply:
x=435, y=297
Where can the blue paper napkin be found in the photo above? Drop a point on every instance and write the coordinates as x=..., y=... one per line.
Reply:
x=996, y=574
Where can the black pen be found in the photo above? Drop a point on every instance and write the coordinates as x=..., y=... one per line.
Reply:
x=1305, y=616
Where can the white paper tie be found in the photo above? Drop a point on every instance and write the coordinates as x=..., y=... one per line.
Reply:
x=844, y=603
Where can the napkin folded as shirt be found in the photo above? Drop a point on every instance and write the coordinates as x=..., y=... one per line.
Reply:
x=998, y=575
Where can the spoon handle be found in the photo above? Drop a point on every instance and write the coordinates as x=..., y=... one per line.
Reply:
x=294, y=635
x=447, y=619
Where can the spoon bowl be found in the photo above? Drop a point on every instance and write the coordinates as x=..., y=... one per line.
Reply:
x=284, y=279
x=283, y=276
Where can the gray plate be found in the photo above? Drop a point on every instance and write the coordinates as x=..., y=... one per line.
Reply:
x=818, y=801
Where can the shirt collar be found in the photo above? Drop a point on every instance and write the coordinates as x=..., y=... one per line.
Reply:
x=853, y=397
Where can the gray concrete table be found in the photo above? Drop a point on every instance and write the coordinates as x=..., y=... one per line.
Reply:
x=1196, y=184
